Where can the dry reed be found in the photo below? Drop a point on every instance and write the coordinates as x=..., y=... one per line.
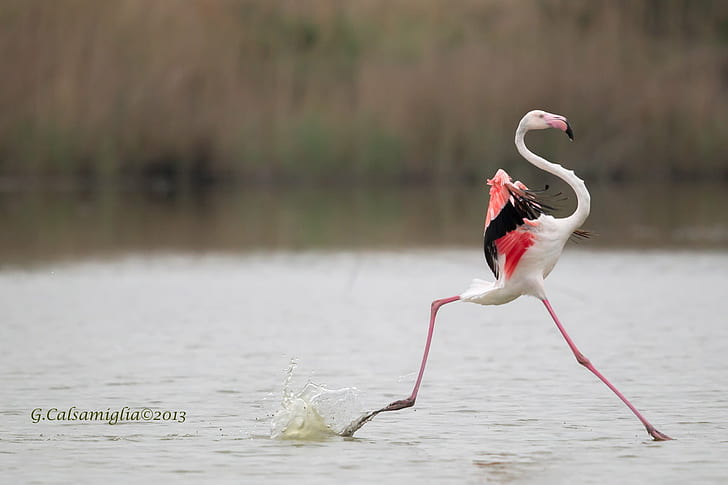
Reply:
x=358, y=91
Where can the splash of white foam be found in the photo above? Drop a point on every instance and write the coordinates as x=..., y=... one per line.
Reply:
x=315, y=412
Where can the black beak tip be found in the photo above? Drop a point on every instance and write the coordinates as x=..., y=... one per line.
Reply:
x=569, y=133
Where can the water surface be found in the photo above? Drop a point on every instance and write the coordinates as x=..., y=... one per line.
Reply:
x=503, y=400
x=40, y=227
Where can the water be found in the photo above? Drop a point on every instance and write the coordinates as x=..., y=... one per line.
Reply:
x=57, y=226
x=503, y=401
x=315, y=412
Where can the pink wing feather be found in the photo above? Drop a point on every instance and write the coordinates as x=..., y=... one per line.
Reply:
x=510, y=211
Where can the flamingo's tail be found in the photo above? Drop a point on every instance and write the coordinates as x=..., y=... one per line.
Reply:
x=487, y=293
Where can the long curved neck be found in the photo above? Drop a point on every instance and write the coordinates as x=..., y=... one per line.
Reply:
x=583, y=199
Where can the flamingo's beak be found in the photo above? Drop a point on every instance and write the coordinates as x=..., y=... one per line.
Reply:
x=558, y=122
x=568, y=131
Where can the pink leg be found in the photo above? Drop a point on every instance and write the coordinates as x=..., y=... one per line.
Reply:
x=580, y=358
x=410, y=401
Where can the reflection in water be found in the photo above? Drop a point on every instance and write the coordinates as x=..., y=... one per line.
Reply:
x=41, y=226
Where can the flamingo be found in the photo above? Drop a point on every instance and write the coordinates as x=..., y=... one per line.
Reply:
x=522, y=244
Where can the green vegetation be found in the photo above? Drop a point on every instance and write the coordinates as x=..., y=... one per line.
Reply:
x=358, y=91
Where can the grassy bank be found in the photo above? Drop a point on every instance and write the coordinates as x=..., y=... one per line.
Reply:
x=364, y=91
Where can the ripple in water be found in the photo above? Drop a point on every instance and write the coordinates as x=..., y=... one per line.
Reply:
x=315, y=412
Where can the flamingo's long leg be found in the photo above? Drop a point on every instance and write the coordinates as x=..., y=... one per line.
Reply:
x=581, y=359
x=410, y=401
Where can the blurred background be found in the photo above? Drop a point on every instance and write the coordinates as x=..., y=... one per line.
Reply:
x=226, y=125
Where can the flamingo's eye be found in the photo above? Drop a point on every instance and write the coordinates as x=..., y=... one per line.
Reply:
x=541, y=115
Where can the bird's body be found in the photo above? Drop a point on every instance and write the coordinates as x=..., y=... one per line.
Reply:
x=522, y=244
x=539, y=245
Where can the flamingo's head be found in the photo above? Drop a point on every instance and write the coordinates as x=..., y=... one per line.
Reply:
x=540, y=120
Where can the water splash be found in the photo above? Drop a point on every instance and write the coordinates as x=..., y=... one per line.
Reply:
x=315, y=412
